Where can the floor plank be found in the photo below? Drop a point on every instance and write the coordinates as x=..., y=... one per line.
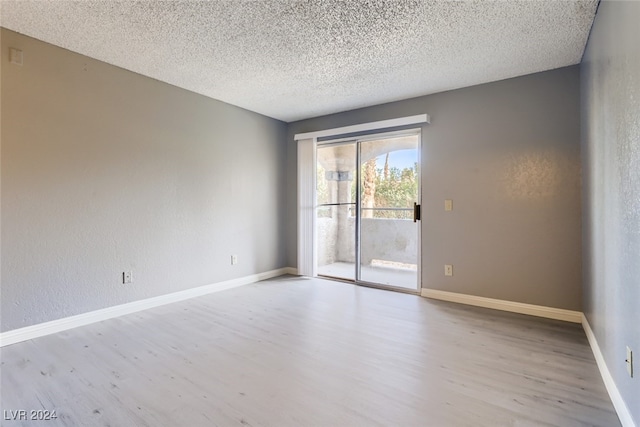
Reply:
x=309, y=352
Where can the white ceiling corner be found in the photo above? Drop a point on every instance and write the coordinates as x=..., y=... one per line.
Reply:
x=298, y=59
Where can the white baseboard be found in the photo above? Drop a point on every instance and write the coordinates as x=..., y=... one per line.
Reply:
x=41, y=329
x=291, y=270
x=612, y=389
x=496, y=304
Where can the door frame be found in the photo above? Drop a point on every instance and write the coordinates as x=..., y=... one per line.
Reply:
x=306, y=147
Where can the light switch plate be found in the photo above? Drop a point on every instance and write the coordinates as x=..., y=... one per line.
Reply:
x=448, y=205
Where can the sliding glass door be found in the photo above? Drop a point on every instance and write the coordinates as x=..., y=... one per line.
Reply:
x=389, y=193
x=367, y=210
x=336, y=208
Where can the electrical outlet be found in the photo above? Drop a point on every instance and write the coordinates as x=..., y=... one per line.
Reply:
x=629, y=361
x=127, y=277
x=448, y=270
x=234, y=259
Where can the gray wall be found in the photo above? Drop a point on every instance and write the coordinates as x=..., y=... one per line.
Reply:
x=611, y=208
x=104, y=170
x=508, y=154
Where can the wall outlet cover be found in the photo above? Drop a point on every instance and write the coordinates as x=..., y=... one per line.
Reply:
x=448, y=270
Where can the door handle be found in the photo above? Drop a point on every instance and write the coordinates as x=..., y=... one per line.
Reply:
x=416, y=212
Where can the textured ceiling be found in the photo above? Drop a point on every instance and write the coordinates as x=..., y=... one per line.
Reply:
x=297, y=59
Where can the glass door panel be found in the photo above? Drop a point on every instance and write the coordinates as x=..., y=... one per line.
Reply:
x=335, y=211
x=388, y=233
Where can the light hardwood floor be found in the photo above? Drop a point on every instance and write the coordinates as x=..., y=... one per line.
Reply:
x=308, y=352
